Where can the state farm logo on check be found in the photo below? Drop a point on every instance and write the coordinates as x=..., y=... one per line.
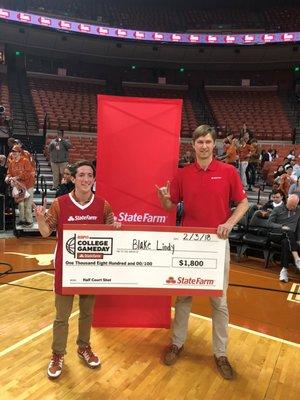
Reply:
x=89, y=247
x=183, y=280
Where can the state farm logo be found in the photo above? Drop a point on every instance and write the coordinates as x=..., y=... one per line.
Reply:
x=194, y=38
x=121, y=32
x=189, y=281
x=249, y=38
x=175, y=37
x=45, y=21
x=145, y=218
x=82, y=218
x=158, y=36
x=170, y=280
x=139, y=35
x=268, y=37
x=287, y=37
x=24, y=17
x=229, y=39
x=102, y=31
x=4, y=13
x=84, y=28
x=65, y=25
x=211, y=38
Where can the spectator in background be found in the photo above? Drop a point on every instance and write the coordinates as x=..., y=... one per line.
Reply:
x=295, y=188
x=296, y=169
x=253, y=163
x=264, y=157
x=3, y=170
x=291, y=155
x=230, y=156
x=280, y=170
x=286, y=218
x=20, y=174
x=286, y=180
x=58, y=152
x=24, y=153
x=66, y=185
x=244, y=151
x=274, y=154
x=277, y=199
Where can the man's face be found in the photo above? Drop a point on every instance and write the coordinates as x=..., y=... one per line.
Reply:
x=276, y=198
x=84, y=179
x=16, y=154
x=292, y=202
x=67, y=175
x=204, y=147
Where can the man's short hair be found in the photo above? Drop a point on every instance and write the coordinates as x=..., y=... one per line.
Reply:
x=204, y=130
x=81, y=163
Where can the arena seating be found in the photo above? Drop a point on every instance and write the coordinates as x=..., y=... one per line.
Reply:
x=261, y=110
x=4, y=95
x=169, y=17
x=68, y=105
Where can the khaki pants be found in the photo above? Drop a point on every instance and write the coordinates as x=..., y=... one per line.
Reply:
x=25, y=208
x=63, y=306
x=220, y=316
x=57, y=170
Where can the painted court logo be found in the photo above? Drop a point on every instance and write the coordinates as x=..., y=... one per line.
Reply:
x=88, y=247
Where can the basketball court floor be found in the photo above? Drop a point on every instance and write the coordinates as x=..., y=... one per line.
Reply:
x=264, y=346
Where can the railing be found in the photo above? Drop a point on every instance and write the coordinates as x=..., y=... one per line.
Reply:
x=43, y=188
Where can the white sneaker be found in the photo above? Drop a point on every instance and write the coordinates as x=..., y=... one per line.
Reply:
x=283, y=276
x=298, y=264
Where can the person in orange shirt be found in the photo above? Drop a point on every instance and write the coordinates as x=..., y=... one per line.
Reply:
x=24, y=153
x=230, y=156
x=20, y=174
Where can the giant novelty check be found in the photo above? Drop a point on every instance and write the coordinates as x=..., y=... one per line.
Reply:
x=142, y=260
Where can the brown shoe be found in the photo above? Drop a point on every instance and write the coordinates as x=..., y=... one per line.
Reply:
x=87, y=355
x=171, y=355
x=224, y=367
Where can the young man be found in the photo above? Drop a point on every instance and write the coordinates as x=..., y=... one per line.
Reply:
x=80, y=202
x=206, y=187
x=66, y=185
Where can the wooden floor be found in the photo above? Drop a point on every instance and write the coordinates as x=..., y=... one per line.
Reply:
x=267, y=367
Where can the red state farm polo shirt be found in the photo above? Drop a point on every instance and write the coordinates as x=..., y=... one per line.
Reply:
x=207, y=193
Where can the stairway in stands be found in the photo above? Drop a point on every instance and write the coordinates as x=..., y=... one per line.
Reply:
x=201, y=107
x=24, y=117
x=291, y=105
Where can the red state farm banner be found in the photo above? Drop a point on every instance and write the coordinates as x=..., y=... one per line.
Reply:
x=138, y=146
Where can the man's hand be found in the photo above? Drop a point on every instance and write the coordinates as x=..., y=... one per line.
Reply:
x=223, y=230
x=164, y=191
x=40, y=211
x=164, y=196
x=285, y=228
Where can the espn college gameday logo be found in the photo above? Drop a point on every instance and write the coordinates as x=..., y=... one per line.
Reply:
x=89, y=247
